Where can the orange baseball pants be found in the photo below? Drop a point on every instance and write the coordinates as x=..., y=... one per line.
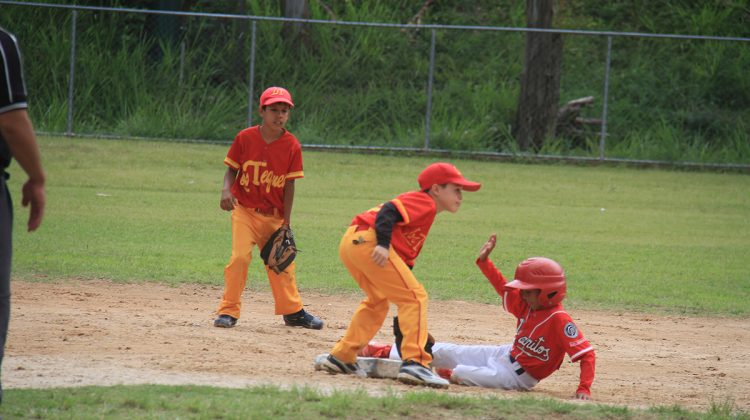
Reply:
x=382, y=285
x=250, y=228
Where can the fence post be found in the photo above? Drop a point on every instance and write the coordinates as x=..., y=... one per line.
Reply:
x=429, y=92
x=250, y=85
x=606, y=98
x=71, y=74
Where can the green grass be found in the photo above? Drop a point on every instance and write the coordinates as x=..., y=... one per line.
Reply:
x=666, y=241
x=158, y=402
x=135, y=211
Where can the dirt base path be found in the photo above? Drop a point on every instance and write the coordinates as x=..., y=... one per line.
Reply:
x=78, y=333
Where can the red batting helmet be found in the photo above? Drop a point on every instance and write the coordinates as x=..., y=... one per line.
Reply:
x=543, y=274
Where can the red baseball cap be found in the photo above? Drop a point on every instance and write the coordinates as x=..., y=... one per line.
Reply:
x=443, y=173
x=274, y=95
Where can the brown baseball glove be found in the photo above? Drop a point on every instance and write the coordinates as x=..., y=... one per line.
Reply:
x=280, y=250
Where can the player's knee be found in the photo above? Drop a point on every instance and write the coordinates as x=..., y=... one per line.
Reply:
x=420, y=293
x=239, y=261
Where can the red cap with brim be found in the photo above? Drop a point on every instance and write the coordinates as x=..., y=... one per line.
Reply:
x=275, y=95
x=444, y=173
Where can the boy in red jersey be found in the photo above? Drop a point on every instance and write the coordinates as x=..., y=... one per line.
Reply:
x=545, y=333
x=263, y=162
x=379, y=250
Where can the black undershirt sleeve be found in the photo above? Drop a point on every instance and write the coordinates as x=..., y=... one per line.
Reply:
x=384, y=221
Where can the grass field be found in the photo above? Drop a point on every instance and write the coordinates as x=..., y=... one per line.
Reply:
x=160, y=402
x=630, y=239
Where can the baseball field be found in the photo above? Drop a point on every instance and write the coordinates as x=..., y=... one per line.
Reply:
x=113, y=297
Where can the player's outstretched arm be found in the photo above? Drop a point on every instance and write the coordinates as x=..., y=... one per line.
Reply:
x=489, y=270
x=487, y=248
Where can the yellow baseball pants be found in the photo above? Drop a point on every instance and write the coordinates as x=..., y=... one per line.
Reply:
x=382, y=285
x=251, y=228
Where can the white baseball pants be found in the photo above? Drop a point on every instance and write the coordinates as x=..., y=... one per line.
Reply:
x=485, y=366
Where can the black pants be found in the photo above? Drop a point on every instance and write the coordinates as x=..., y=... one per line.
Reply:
x=6, y=254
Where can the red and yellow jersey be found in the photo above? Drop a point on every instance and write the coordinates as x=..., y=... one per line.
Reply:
x=543, y=336
x=263, y=168
x=418, y=211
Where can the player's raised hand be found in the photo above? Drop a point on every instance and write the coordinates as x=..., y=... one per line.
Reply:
x=487, y=248
x=380, y=255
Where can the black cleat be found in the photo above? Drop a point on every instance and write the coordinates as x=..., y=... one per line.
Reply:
x=303, y=319
x=333, y=365
x=413, y=373
x=225, y=321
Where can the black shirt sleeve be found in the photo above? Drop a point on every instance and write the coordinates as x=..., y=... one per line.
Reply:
x=12, y=84
x=384, y=221
x=12, y=88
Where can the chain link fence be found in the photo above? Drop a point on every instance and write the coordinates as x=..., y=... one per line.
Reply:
x=196, y=76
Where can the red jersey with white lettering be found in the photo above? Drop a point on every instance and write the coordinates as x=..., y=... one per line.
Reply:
x=418, y=210
x=263, y=168
x=543, y=336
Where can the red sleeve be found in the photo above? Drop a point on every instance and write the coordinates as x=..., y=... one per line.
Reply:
x=493, y=275
x=588, y=363
x=234, y=155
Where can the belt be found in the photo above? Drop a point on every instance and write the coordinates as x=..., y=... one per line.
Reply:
x=271, y=212
x=520, y=370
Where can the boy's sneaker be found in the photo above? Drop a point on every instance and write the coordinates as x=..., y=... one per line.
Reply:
x=333, y=365
x=303, y=319
x=415, y=374
x=225, y=321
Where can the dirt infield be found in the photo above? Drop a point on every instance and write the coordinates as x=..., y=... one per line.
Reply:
x=76, y=333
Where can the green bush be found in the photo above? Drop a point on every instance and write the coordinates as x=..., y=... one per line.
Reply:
x=677, y=100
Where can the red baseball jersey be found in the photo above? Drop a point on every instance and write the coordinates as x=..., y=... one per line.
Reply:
x=543, y=336
x=263, y=168
x=418, y=210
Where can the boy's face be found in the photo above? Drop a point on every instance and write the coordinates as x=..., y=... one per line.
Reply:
x=447, y=197
x=275, y=116
x=531, y=297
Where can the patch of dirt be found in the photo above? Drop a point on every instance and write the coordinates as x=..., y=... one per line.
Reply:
x=76, y=333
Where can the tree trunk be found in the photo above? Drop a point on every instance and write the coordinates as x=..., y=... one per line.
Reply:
x=540, y=81
x=296, y=31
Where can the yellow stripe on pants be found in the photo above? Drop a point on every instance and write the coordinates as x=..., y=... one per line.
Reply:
x=250, y=228
x=393, y=283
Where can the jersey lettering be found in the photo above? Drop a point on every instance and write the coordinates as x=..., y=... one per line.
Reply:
x=269, y=179
x=266, y=178
x=256, y=170
x=533, y=348
x=415, y=238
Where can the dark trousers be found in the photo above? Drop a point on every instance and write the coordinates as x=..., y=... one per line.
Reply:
x=6, y=253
